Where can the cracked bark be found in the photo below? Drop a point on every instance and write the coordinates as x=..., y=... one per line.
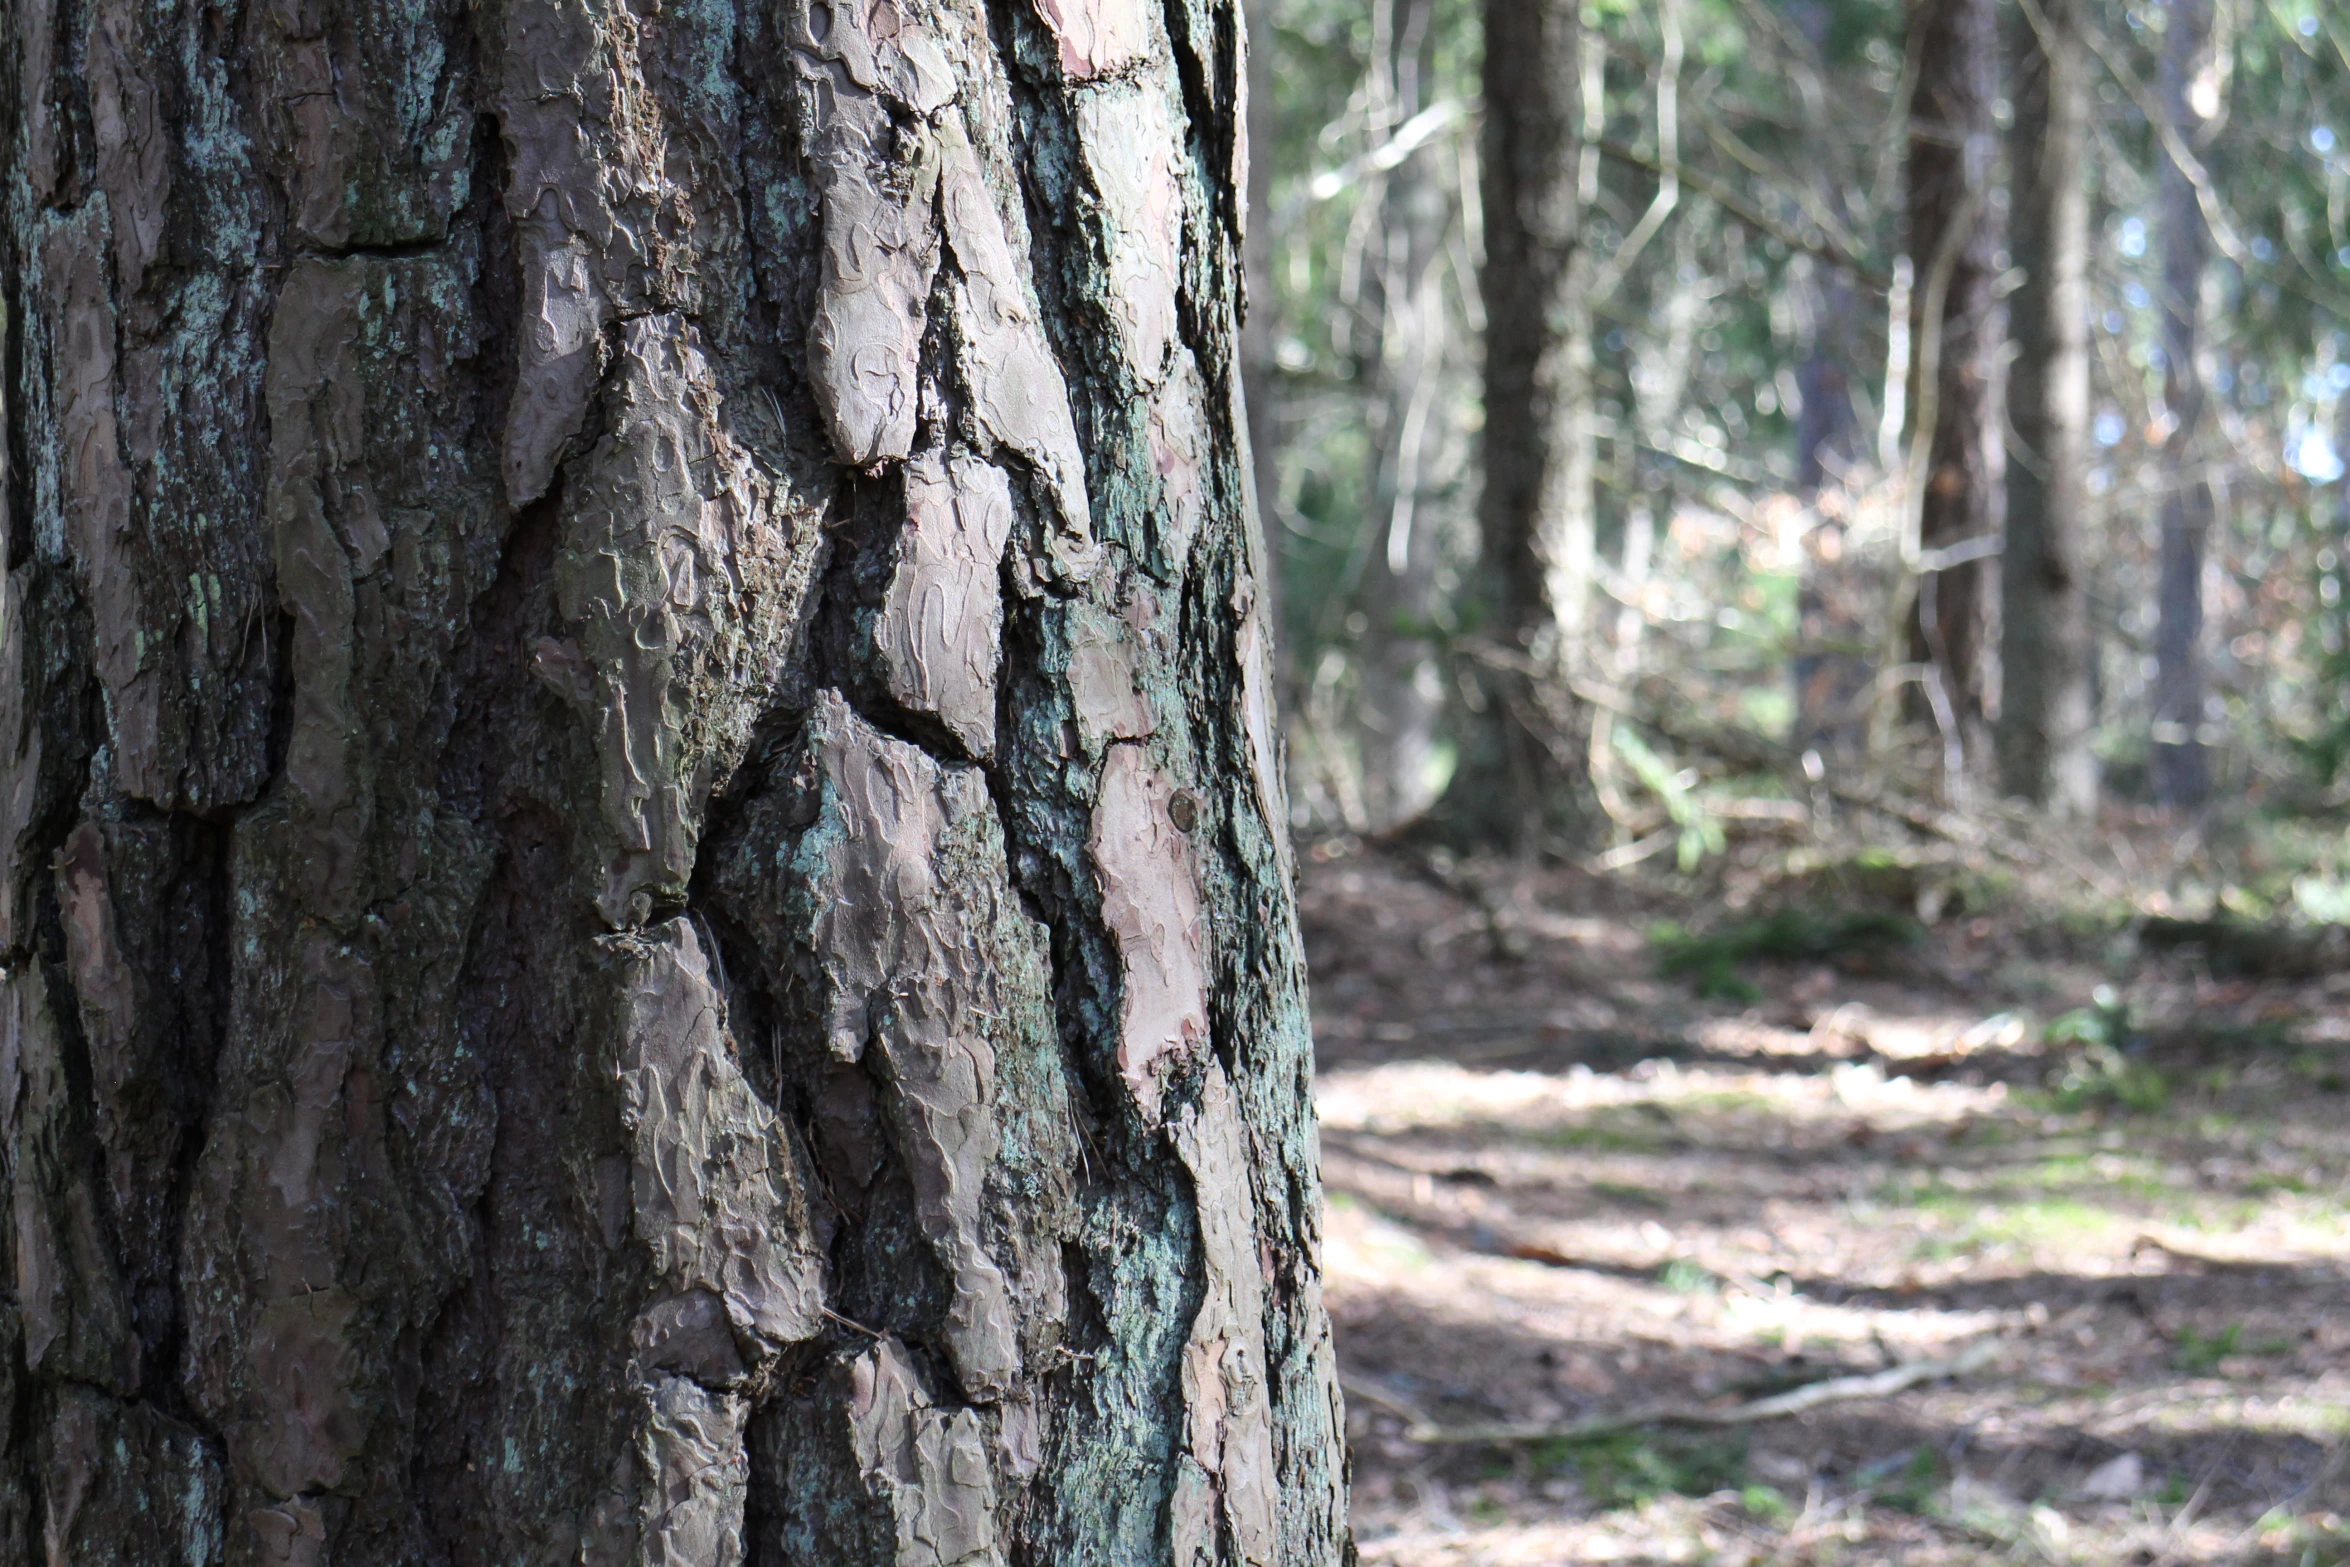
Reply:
x=645, y=916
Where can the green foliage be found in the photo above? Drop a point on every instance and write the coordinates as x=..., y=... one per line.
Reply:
x=1711, y=961
x=2097, y=1069
x=2099, y=1077
x=1632, y=1196
x=1907, y=1482
x=1631, y=1467
x=1683, y=1277
x=1700, y=834
x=2105, y=1021
x=2199, y=1354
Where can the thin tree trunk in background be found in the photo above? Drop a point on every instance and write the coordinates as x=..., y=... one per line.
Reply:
x=1513, y=785
x=2182, y=776
x=645, y=911
x=2342, y=481
x=1950, y=165
x=1826, y=427
x=1573, y=526
x=1834, y=664
x=1831, y=666
x=1401, y=695
x=2044, y=715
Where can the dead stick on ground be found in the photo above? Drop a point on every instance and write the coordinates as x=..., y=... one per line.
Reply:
x=1794, y=1401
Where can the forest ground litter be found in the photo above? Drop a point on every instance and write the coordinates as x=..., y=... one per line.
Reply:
x=1565, y=1188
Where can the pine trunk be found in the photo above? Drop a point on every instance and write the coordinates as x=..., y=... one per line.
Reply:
x=2182, y=775
x=1513, y=782
x=2044, y=715
x=1953, y=223
x=646, y=917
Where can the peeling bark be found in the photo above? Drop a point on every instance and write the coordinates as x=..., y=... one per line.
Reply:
x=645, y=916
x=940, y=628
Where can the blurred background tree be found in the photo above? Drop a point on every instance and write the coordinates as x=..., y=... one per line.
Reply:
x=1945, y=399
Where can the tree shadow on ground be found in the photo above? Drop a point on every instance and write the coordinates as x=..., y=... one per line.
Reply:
x=1396, y=1351
x=1565, y=1189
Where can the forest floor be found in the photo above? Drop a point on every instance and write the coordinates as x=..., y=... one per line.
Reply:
x=1565, y=1186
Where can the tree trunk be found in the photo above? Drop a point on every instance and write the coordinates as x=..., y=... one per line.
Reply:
x=1951, y=147
x=1831, y=667
x=2044, y=714
x=1401, y=695
x=1512, y=783
x=2181, y=770
x=646, y=918
x=1827, y=427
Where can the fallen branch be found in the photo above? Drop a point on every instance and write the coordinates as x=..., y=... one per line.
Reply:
x=1372, y=1393
x=1993, y=827
x=1795, y=1401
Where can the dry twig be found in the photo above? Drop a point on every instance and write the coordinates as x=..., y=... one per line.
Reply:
x=1834, y=1390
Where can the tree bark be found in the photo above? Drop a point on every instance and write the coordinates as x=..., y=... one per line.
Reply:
x=2044, y=714
x=1951, y=149
x=2182, y=776
x=1512, y=785
x=645, y=917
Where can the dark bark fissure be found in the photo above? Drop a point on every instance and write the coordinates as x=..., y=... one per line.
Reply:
x=1210, y=97
x=197, y=963
x=16, y=493
x=398, y=250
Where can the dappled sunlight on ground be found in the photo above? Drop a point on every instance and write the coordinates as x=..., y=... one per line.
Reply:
x=1562, y=1190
